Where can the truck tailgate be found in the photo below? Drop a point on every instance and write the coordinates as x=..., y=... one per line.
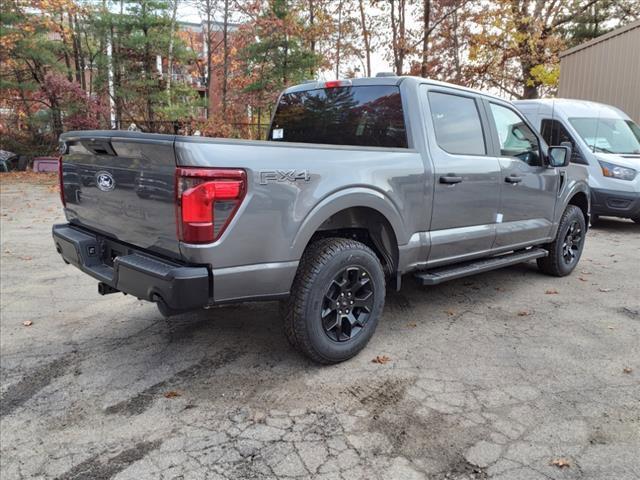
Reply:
x=121, y=184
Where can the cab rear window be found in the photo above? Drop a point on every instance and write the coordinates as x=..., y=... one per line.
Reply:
x=361, y=116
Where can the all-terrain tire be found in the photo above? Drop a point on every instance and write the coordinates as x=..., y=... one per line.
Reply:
x=559, y=262
x=322, y=263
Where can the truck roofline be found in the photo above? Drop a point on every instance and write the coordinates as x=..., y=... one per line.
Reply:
x=389, y=80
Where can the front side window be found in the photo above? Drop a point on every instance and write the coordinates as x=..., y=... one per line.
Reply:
x=515, y=137
x=361, y=116
x=609, y=135
x=554, y=133
x=457, y=124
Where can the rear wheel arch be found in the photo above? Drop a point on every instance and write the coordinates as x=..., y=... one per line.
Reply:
x=366, y=215
x=367, y=226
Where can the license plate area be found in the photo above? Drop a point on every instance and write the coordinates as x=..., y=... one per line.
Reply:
x=111, y=251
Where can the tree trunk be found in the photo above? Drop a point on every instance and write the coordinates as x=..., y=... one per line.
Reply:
x=394, y=36
x=209, y=43
x=67, y=60
x=312, y=41
x=365, y=38
x=147, y=67
x=172, y=33
x=426, y=25
x=77, y=51
x=225, y=61
x=339, y=40
x=456, y=48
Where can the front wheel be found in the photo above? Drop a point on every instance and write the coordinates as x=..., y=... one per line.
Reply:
x=566, y=249
x=336, y=300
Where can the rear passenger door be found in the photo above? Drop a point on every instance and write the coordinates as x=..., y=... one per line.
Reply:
x=528, y=187
x=466, y=183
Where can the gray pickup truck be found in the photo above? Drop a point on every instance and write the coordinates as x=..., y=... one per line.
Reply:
x=361, y=181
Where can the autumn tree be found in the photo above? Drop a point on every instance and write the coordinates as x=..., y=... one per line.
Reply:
x=37, y=85
x=275, y=54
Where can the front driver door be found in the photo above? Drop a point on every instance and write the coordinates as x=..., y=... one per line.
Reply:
x=528, y=188
x=466, y=188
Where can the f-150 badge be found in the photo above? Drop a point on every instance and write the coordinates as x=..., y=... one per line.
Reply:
x=270, y=176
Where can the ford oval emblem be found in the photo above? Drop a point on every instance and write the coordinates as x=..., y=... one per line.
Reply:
x=105, y=181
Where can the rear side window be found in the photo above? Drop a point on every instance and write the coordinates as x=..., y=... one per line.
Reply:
x=457, y=124
x=555, y=134
x=362, y=116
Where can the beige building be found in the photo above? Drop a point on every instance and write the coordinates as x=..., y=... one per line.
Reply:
x=605, y=69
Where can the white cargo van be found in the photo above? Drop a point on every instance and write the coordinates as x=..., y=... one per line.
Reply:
x=605, y=141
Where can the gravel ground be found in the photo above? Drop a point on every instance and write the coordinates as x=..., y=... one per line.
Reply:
x=508, y=375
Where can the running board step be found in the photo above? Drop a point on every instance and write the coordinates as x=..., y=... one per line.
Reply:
x=443, y=274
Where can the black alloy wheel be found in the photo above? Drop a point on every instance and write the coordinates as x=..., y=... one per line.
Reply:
x=572, y=244
x=348, y=303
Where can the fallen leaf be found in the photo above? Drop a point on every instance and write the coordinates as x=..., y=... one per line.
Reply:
x=451, y=313
x=551, y=291
x=582, y=279
x=605, y=290
x=524, y=313
x=27, y=323
x=499, y=289
x=26, y=258
x=611, y=327
x=627, y=370
x=412, y=325
x=585, y=272
x=381, y=359
x=172, y=394
x=560, y=463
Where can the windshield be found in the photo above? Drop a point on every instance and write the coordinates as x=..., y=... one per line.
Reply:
x=609, y=135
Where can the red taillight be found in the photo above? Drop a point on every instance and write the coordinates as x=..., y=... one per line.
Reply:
x=337, y=83
x=206, y=200
x=61, y=182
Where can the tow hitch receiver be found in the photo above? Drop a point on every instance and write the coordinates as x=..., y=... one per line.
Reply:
x=104, y=289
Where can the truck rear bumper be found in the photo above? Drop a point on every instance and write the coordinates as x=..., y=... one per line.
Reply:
x=135, y=272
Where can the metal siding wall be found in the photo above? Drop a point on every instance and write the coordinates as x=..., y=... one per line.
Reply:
x=607, y=72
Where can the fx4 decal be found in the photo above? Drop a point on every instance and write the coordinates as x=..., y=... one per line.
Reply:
x=270, y=176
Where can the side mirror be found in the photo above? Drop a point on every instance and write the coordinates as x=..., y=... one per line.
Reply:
x=559, y=156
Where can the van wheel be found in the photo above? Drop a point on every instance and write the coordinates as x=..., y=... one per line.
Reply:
x=336, y=300
x=565, y=250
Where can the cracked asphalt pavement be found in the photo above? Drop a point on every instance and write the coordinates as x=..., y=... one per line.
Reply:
x=508, y=375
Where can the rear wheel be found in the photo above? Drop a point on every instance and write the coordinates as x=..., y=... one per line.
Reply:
x=566, y=249
x=336, y=300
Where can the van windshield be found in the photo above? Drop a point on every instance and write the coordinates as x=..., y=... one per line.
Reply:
x=609, y=135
